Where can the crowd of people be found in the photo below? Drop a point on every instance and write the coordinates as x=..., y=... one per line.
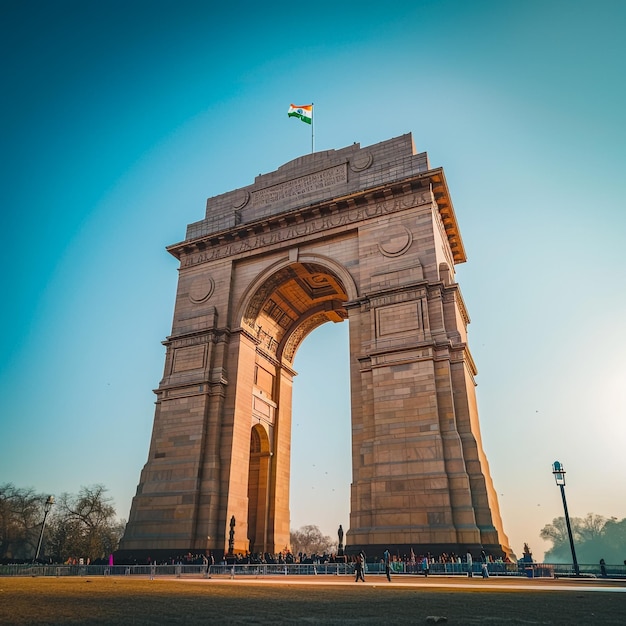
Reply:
x=247, y=558
x=422, y=563
x=411, y=562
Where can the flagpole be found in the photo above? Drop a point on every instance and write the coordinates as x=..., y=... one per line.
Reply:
x=312, y=122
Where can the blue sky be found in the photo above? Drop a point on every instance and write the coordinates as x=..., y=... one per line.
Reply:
x=119, y=119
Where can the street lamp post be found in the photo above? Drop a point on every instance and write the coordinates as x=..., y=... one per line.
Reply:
x=46, y=509
x=559, y=476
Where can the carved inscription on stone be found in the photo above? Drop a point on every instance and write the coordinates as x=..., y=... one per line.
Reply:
x=396, y=298
x=190, y=341
x=349, y=216
x=300, y=186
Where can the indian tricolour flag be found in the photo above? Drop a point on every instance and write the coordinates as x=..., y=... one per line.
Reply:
x=303, y=112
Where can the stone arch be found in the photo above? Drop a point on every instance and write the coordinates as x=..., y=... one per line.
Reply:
x=281, y=306
x=353, y=233
x=263, y=279
x=291, y=298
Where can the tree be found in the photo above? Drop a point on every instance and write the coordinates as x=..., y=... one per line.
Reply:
x=21, y=516
x=309, y=540
x=557, y=531
x=591, y=528
x=594, y=537
x=85, y=525
x=614, y=534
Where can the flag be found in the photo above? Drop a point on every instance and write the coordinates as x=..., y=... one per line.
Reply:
x=303, y=112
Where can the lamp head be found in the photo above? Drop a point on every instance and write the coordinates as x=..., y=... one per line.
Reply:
x=48, y=505
x=559, y=473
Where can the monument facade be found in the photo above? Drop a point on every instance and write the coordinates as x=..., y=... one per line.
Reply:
x=367, y=235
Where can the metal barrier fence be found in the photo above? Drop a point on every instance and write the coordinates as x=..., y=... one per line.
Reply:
x=178, y=570
x=530, y=570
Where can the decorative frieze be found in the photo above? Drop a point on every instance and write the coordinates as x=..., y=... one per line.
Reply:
x=247, y=240
x=312, y=183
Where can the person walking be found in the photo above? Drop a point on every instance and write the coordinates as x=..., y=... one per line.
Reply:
x=469, y=564
x=484, y=559
x=358, y=568
x=387, y=562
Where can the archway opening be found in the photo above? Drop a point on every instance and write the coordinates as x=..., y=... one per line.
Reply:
x=282, y=309
x=321, y=457
x=258, y=489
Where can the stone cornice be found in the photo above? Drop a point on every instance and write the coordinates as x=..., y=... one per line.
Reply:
x=210, y=335
x=325, y=216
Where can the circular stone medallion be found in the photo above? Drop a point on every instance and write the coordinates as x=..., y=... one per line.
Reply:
x=396, y=241
x=201, y=289
x=361, y=162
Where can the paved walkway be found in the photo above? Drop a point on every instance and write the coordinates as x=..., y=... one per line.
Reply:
x=440, y=582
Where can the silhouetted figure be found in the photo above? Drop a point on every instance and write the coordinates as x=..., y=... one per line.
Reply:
x=603, y=568
x=387, y=562
x=359, y=567
x=340, y=535
x=231, y=535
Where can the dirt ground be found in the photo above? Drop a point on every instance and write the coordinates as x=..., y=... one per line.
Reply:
x=123, y=600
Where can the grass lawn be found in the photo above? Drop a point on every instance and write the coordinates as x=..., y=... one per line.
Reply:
x=125, y=600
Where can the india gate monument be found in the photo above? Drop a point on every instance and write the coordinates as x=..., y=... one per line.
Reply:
x=364, y=235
